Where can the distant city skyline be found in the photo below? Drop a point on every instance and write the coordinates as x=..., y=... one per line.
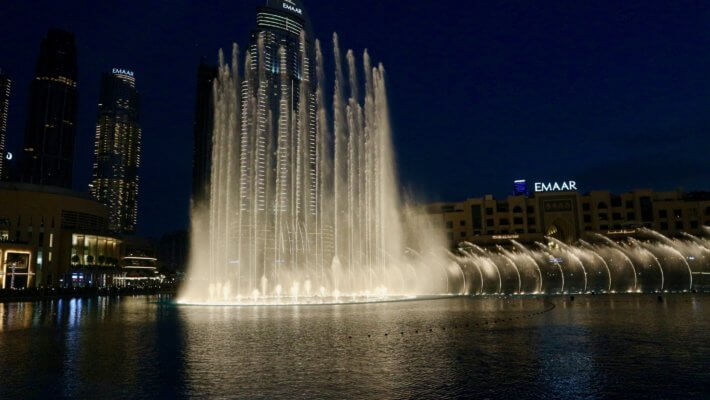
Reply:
x=547, y=92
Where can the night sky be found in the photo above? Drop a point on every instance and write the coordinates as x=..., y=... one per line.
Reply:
x=615, y=95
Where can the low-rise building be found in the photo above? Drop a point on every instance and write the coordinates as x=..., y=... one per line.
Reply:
x=139, y=263
x=51, y=236
x=569, y=215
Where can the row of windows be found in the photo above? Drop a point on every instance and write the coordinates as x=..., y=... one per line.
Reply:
x=678, y=214
x=7, y=223
x=5, y=236
x=491, y=222
x=280, y=22
x=616, y=202
x=503, y=207
x=679, y=225
x=664, y=226
x=72, y=220
x=631, y=216
x=647, y=213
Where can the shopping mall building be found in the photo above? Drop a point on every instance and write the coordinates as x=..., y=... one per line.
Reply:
x=54, y=237
x=559, y=210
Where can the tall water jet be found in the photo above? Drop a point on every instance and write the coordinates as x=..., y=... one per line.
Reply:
x=298, y=201
x=304, y=203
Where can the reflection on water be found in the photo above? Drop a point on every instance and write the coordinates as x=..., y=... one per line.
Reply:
x=591, y=347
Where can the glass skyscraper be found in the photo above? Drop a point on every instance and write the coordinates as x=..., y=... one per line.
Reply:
x=48, y=157
x=5, y=85
x=279, y=25
x=117, y=150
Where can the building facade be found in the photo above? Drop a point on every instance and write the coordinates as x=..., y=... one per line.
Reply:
x=279, y=24
x=48, y=157
x=139, y=263
x=5, y=87
x=570, y=216
x=282, y=25
x=203, y=125
x=50, y=236
x=117, y=150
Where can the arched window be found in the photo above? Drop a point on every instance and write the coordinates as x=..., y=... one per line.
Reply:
x=517, y=209
x=602, y=205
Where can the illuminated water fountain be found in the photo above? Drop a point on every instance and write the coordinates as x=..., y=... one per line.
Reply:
x=653, y=264
x=304, y=205
x=305, y=208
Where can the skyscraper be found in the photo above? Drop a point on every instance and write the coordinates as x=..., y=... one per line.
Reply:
x=48, y=157
x=5, y=84
x=277, y=190
x=295, y=207
x=204, y=121
x=283, y=40
x=280, y=24
x=117, y=150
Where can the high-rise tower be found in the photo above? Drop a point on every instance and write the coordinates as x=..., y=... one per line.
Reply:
x=281, y=69
x=295, y=207
x=280, y=24
x=203, y=125
x=117, y=149
x=264, y=172
x=48, y=157
x=5, y=85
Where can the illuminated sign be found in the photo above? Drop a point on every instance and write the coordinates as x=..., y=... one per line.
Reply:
x=520, y=187
x=8, y=156
x=567, y=186
x=119, y=71
x=291, y=6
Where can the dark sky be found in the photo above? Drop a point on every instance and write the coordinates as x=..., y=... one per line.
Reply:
x=615, y=95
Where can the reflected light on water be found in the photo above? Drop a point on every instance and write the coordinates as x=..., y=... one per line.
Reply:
x=521, y=347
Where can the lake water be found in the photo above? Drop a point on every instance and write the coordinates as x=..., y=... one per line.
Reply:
x=624, y=346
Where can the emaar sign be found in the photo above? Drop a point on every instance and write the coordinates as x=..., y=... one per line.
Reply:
x=291, y=6
x=566, y=186
x=121, y=71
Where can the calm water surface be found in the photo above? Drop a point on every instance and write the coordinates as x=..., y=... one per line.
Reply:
x=592, y=347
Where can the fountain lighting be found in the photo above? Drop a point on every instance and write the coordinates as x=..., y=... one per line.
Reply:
x=656, y=264
x=304, y=195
